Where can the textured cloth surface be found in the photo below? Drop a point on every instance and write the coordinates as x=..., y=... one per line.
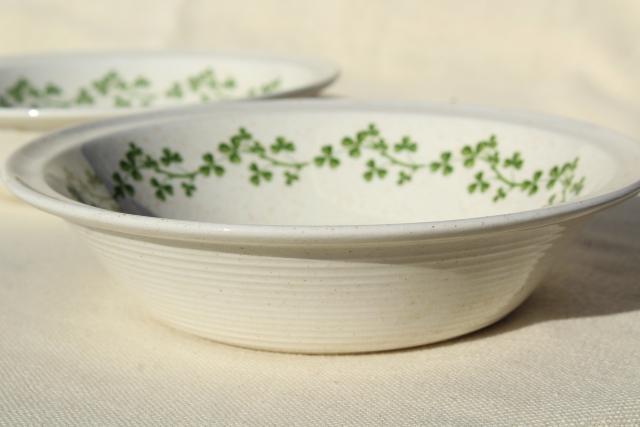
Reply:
x=75, y=348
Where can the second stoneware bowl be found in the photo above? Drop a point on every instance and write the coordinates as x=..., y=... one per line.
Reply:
x=48, y=91
x=328, y=226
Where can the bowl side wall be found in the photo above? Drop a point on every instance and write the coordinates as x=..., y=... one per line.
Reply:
x=341, y=299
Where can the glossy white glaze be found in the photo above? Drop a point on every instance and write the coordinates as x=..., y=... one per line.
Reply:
x=341, y=299
x=292, y=284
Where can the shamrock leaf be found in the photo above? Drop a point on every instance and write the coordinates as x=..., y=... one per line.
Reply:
x=209, y=165
x=406, y=144
x=468, y=156
x=121, y=102
x=577, y=187
x=52, y=89
x=515, y=161
x=352, y=146
x=169, y=157
x=326, y=157
x=232, y=148
x=141, y=82
x=403, y=177
x=531, y=185
x=84, y=97
x=500, y=194
x=257, y=148
x=162, y=189
x=282, y=144
x=188, y=188
x=479, y=184
x=380, y=145
x=175, y=91
x=149, y=162
x=259, y=175
x=121, y=187
x=290, y=177
x=19, y=89
x=443, y=165
x=373, y=170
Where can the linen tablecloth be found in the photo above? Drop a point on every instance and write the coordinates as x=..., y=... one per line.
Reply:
x=77, y=349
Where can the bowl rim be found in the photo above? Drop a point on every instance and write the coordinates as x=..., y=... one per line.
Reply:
x=327, y=71
x=25, y=185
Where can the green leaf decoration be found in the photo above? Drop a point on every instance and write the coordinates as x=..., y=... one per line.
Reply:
x=500, y=194
x=169, y=157
x=121, y=102
x=141, y=82
x=257, y=148
x=258, y=175
x=327, y=157
x=163, y=190
x=52, y=89
x=577, y=187
x=406, y=144
x=188, y=188
x=373, y=170
x=479, y=183
x=84, y=98
x=515, y=161
x=123, y=91
x=490, y=169
x=210, y=166
x=290, y=177
x=443, y=165
x=175, y=91
x=101, y=86
x=403, y=177
x=17, y=92
x=531, y=186
x=270, y=87
x=281, y=145
x=111, y=80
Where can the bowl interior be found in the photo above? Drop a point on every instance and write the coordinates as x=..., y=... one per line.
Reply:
x=147, y=79
x=297, y=166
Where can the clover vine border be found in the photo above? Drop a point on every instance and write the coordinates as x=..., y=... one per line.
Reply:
x=124, y=92
x=493, y=170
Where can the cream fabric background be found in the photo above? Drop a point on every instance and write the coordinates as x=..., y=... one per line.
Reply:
x=76, y=349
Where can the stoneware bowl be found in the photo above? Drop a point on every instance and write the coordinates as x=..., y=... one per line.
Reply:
x=42, y=92
x=328, y=226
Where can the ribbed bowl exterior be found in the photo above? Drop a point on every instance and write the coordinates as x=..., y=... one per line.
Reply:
x=332, y=299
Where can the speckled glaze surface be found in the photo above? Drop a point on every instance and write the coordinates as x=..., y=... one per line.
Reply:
x=328, y=226
x=49, y=91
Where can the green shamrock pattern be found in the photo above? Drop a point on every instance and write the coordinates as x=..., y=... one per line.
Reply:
x=114, y=89
x=495, y=174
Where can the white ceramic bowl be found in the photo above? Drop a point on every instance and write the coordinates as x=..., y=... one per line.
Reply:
x=42, y=92
x=328, y=226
